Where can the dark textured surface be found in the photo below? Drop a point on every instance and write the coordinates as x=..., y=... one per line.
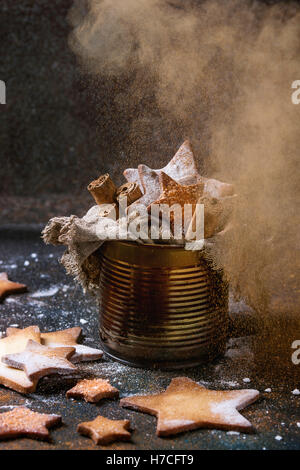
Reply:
x=276, y=413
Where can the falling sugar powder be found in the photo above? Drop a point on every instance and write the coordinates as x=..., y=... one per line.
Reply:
x=46, y=292
x=296, y=391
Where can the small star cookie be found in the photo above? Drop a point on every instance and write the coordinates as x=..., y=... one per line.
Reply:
x=93, y=390
x=104, y=431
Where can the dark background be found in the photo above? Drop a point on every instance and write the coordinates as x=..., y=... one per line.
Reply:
x=58, y=131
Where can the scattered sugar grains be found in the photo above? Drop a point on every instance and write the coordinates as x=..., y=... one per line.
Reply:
x=278, y=438
x=298, y=425
x=233, y=433
x=46, y=292
x=296, y=391
x=33, y=255
x=268, y=390
x=26, y=263
x=246, y=380
x=83, y=321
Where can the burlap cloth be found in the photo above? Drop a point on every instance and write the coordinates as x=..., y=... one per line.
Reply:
x=84, y=236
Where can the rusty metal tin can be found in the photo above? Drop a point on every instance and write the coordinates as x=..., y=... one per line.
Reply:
x=160, y=306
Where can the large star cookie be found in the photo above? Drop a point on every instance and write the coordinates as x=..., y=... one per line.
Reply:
x=186, y=405
x=14, y=378
x=150, y=184
x=175, y=193
x=93, y=390
x=182, y=166
x=8, y=287
x=21, y=421
x=37, y=360
x=68, y=337
x=104, y=431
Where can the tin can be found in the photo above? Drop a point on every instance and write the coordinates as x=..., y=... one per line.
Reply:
x=161, y=306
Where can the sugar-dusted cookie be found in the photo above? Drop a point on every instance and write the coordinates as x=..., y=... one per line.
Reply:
x=21, y=421
x=8, y=287
x=104, y=431
x=151, y=187
x=14, y=378
x=37, y=360
x=93, y=390
x=181, y=166
x=175, y=193
x=67, y=337
x=187, y=405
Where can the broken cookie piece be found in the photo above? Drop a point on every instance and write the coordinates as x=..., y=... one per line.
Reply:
x=93, y=390
x=104, y=431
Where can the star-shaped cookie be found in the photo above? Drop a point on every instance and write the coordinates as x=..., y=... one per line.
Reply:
x=104, y=431
x=67, y=337
x=37, y=360
x=187, y=405
x=150, y=183
x=8, y=287
x=175, y=193
x=14, y=378
x=93, y=390
x=21, y=421
x=182, y=166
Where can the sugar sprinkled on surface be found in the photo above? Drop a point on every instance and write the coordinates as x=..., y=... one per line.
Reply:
x=46, y=292
x=296, y=391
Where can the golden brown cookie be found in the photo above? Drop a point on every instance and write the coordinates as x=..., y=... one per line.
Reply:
x=8, y=287
x=67, y=337
x=37, y=360
x=104, y=431
x=14, y=378
x=187, y=405
x=21, y=421
x=174, y=193
x=93, y=390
